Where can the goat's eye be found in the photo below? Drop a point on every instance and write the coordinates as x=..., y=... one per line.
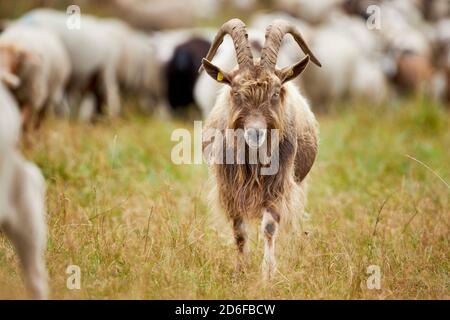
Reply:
x=237, y=96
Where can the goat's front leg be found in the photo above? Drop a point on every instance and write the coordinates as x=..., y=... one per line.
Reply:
x=240, y=236
x=269, y=228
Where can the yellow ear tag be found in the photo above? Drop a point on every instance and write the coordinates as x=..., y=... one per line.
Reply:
x=219, y=76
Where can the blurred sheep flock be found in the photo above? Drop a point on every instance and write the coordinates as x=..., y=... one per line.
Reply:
x=373, y=51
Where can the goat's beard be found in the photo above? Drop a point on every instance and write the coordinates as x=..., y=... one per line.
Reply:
x=236, y=147
x=238, y=152
x=245, y=186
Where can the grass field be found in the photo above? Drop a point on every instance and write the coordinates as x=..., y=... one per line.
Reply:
x=138, y=226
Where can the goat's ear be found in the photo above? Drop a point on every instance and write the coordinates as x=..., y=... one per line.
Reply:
x=307, y=145
x=215, y=72
x=288, y=73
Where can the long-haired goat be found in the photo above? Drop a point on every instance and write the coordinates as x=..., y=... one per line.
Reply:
x=258, y=100
x=22, y=199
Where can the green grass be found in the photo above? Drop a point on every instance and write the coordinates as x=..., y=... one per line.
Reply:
x=139, y=226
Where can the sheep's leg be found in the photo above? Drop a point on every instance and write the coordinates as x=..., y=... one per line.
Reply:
x=29, y=249
x=162, y=110
x=59, y=104
x=27, y=117
x=112, y=92
x=269, y=228
x=240, y=236
x=87, y=108
x=28, y=231
x=40, y=117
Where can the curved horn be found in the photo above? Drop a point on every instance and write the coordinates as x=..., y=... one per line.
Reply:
x=238, y=32
x=275, y=33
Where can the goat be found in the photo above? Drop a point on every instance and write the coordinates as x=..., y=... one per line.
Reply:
x=207, y=89
x=38, y=68
x=259, y=98
x=22, y=197
x=288, y=53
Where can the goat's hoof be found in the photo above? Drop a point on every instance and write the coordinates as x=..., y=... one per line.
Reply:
x=240, y=269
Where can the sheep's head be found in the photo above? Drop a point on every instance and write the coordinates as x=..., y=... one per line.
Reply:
x=257, y=91
x=10, y=61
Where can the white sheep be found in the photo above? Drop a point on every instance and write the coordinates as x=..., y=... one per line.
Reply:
x=40, y=65
x=139, y=72
x=314, y=12
x=349, y=51
x=402, y=28
x=407, y=38
x=94, y=48
x=22, y=199
x=162, y=14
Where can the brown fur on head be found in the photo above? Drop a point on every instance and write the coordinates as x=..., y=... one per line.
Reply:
x=256, y=94
x=257, y=91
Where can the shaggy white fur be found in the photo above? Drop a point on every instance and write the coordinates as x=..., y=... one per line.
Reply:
x=22, y=198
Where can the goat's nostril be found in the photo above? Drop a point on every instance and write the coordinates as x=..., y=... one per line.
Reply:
x=261, y=133
x=255, y=137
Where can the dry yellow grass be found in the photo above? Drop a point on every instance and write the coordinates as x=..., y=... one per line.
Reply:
x=138, y=225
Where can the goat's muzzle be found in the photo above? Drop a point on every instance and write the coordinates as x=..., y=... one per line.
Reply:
x=255, y=133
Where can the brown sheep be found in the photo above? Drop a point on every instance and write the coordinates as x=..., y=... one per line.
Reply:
x=414, y=72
